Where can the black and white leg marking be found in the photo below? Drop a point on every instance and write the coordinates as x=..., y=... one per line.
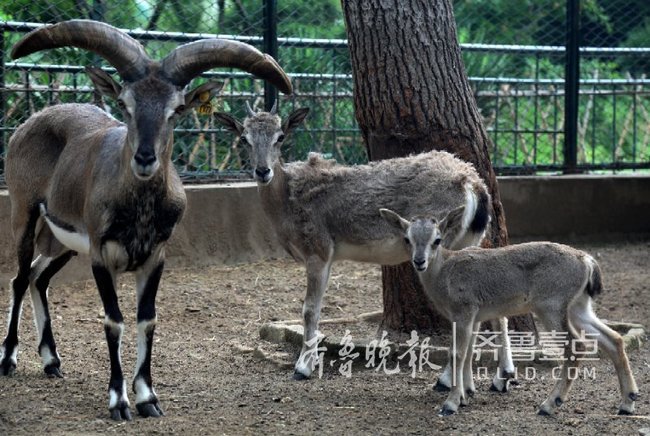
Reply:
x=19, y=284
x=9, y=349
x=147, y=281
x=113, y=327
x=43, y=269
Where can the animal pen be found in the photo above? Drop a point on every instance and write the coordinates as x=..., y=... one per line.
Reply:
x=564, y=95
x=547, y=108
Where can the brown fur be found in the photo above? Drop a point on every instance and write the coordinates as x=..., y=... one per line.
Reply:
x=108, y=188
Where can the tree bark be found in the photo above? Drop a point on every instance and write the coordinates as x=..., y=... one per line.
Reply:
x=412, y=95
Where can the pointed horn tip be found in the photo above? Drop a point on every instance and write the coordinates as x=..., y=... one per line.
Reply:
x=25, y=45
x=249, y=109
x=284, y=82
x=288, y=89
x=16, y=52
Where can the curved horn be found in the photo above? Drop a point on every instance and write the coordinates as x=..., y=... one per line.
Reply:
x=190, y=60
x=123, y=52
x=249, y=110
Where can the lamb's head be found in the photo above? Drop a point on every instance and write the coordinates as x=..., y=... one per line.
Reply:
x=263, y=133
x=423, y=234
x=152, y=95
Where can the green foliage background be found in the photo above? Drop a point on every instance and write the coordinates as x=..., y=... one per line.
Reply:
x=520, y=94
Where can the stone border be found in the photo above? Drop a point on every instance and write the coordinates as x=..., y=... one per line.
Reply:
x=290, y=332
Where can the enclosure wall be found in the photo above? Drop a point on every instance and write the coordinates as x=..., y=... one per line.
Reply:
x=224, y=223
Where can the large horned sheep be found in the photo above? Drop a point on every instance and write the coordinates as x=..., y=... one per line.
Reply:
x=323, y=212
x=554, y=281
x=81, y=181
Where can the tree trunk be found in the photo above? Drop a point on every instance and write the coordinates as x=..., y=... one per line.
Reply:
x=412, y=95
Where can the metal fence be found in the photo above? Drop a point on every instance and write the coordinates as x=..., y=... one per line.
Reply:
x=516, y=61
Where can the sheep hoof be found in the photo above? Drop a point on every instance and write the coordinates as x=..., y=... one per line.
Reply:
x=150, y=410
x=445, y=411
x=439, y=387
x=121, y=412
x=300, y=376
x=495, y=388
x=7, y=368
x=53, y=371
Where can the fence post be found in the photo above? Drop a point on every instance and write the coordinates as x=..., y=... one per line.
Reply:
x=571, y=86
x=3, y=96
x=270, y=47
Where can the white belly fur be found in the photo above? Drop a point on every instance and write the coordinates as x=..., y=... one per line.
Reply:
x=391, y=252
x=78, y=242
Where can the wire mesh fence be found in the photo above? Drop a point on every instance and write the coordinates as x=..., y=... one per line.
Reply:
x=513, y=52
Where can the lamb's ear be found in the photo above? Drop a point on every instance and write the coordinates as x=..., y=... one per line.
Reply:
x=394, y=219
x=229, y=122
x=452, y=220
x=294, y=119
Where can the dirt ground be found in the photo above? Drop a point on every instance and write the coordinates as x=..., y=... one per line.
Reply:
x=208, y=318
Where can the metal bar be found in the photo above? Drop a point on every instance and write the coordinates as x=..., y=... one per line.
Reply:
x=555, y=104
x=331, y=77
x=634, y=127
x=593, y=131
x=571, y=86
x=516, y=142
x=50, y=84
x=530, y=131
x=3, y=96
x=531, y=169
x=614, y=128
x=536, y=109
x=334, y=115
x=270, y=47
x=496, y=129
x=152, y=35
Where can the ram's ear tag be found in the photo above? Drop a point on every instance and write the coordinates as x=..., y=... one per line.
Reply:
x=204, y=96
x=206, y=108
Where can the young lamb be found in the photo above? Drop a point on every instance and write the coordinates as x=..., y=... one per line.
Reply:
x=554, y=281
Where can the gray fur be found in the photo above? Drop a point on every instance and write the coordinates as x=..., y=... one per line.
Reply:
x=323, y=211
x=554, y=281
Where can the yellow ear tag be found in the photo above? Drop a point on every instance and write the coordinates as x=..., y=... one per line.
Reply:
x=206, y=107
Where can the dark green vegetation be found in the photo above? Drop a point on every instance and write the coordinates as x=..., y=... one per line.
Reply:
x=520, y=92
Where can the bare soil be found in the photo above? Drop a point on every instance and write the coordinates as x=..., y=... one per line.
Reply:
x=209, y=381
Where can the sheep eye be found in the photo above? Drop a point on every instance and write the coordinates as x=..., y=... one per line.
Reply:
x=436, y=242
x=243, y=139
x=180, y=109
x=120, y=104
x=406, y=241
x=280, y=138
